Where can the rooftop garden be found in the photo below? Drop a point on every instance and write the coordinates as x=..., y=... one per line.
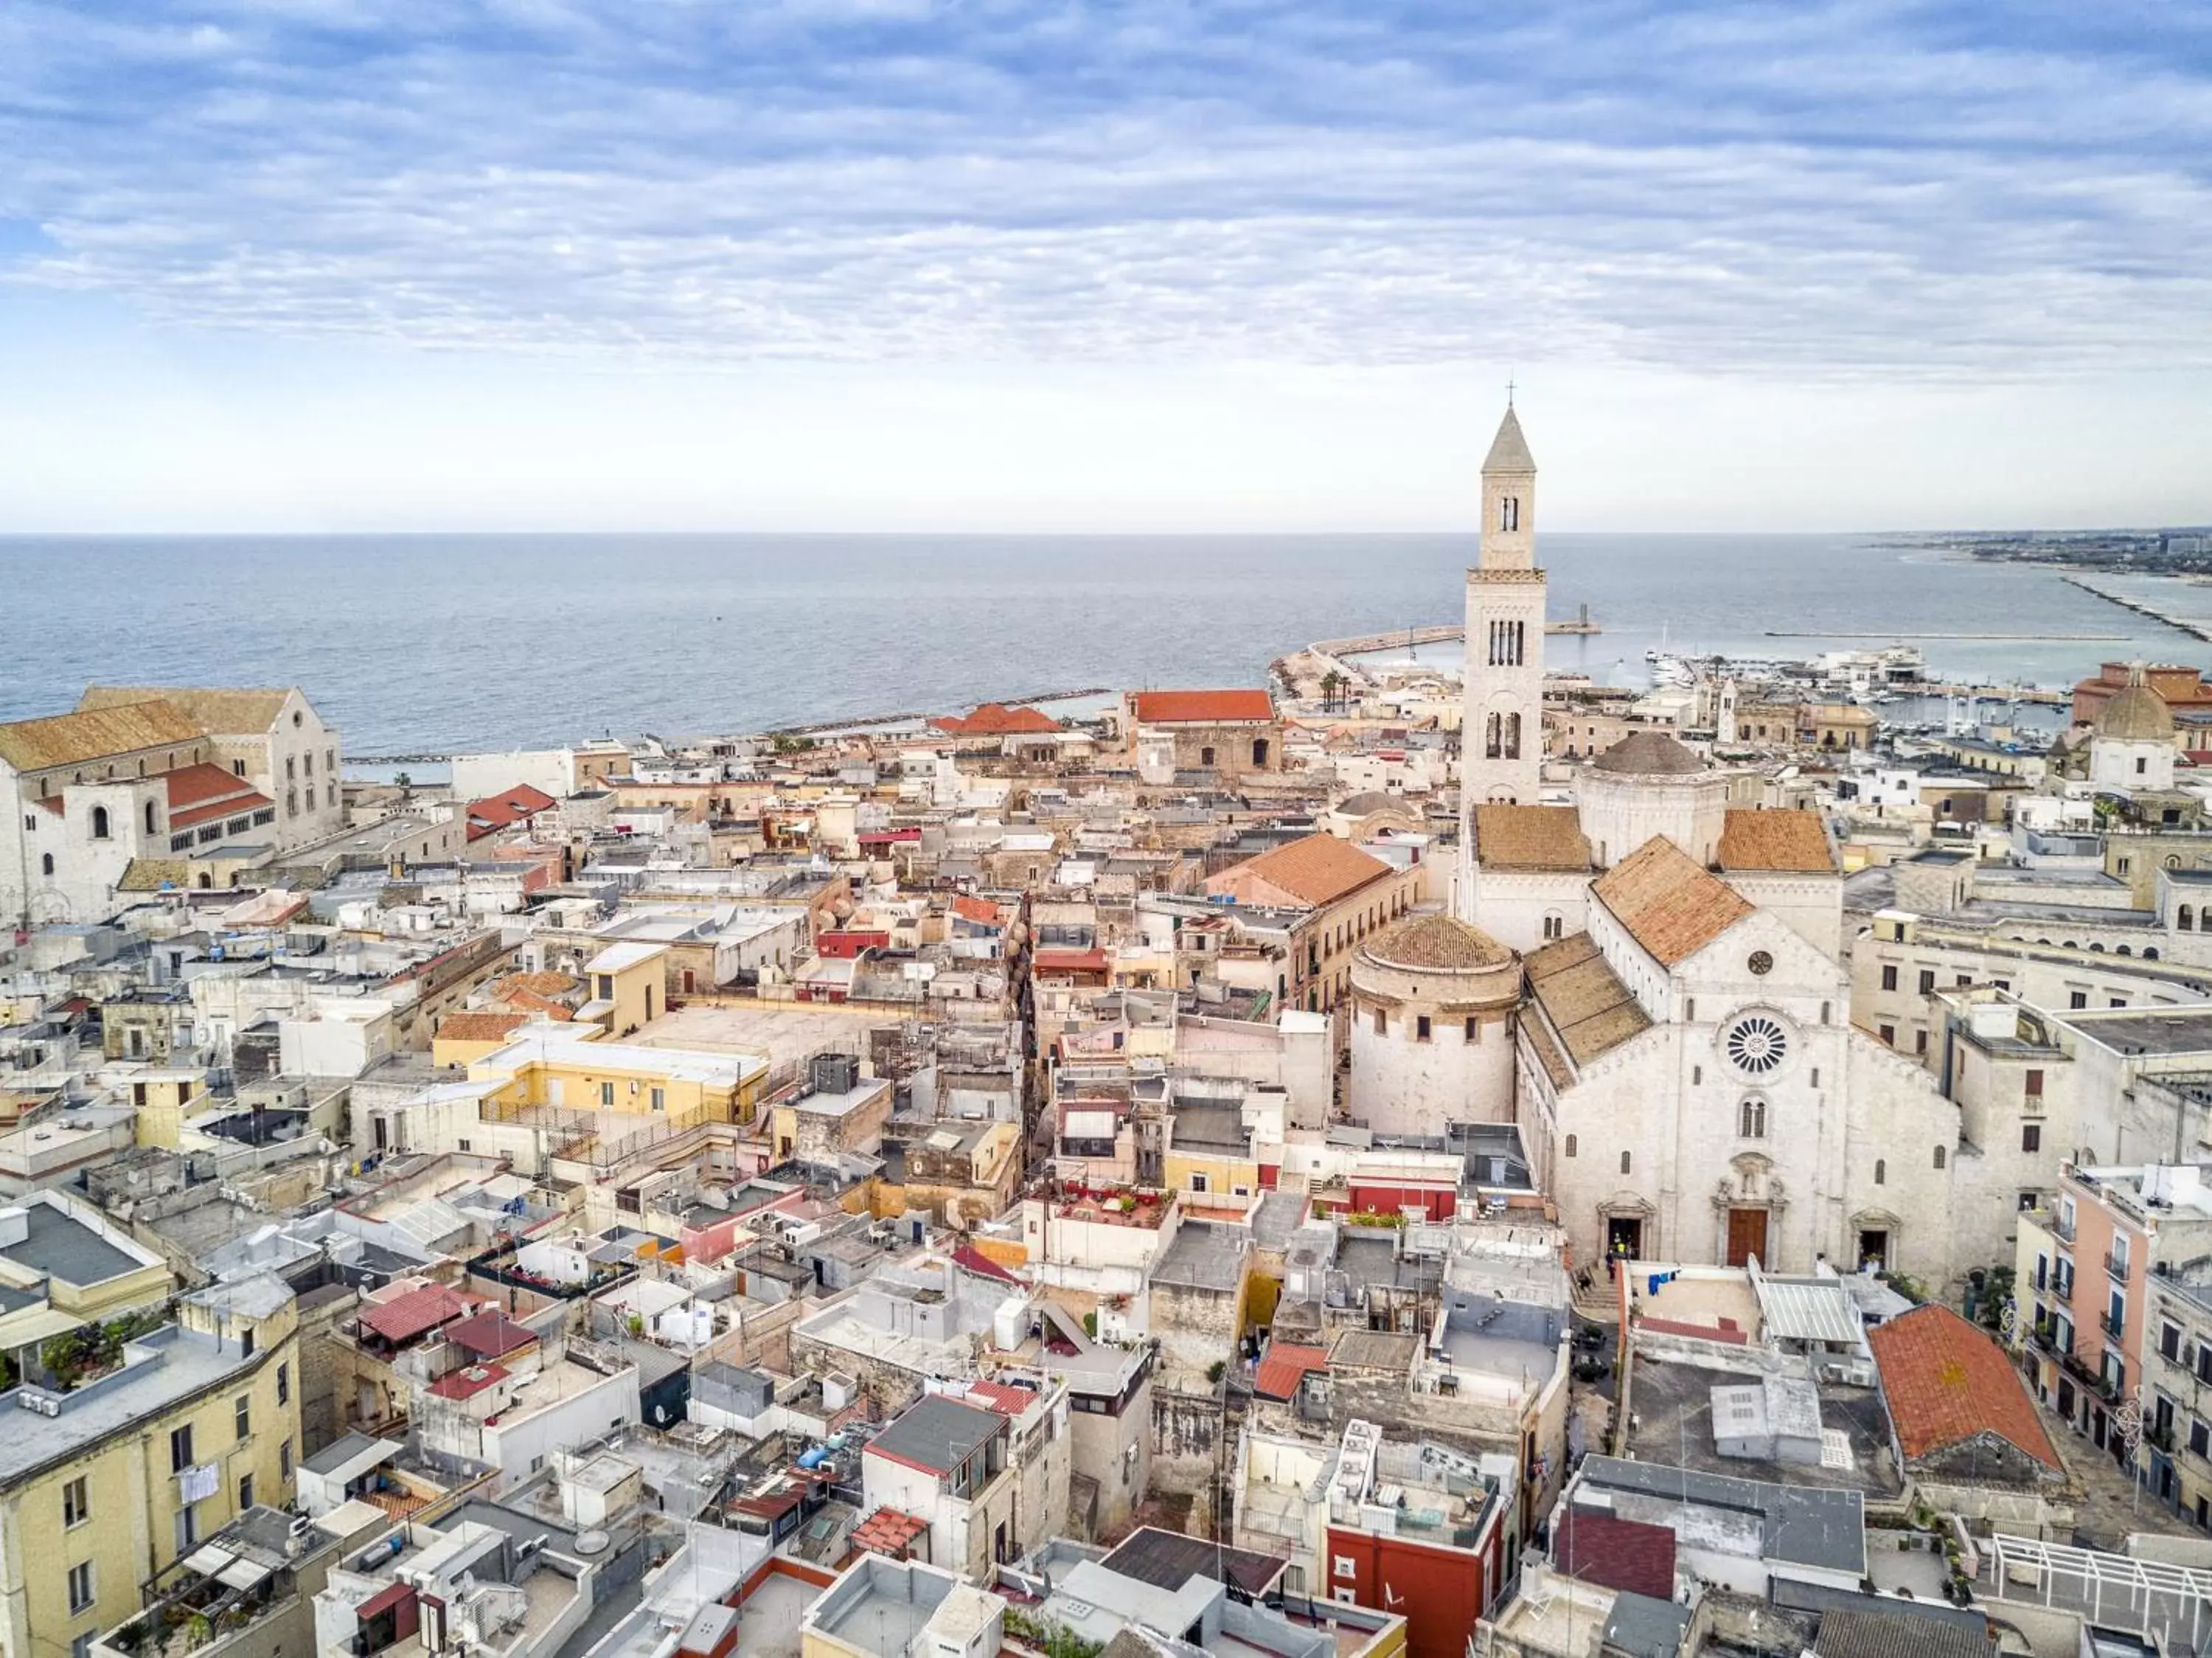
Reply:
x=91, y=1351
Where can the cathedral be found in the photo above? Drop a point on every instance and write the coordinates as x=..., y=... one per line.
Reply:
x=1677, y=1045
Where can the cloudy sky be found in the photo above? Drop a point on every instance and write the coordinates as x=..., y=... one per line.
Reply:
x=886, y=263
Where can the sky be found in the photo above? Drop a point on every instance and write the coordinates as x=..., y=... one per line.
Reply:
x=884, y=264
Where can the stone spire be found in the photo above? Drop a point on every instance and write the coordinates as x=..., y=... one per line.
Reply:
x=1508, y=450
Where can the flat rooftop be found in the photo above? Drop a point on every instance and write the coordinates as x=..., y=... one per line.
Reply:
x=785, y=1031
x=1753, y=1519
x=1675, y=1424
x=1203, y=1256
x=159, y=1370
x=58, y=1244
x=2181, y=1030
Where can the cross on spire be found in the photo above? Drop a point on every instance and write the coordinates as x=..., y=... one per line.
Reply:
x=1509, y=391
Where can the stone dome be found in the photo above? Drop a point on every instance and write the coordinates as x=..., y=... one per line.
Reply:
x=1437, y=944
x=2137, y=714
x=1374, y=800
x=1647, y=754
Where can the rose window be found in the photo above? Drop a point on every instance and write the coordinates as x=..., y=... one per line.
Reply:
x=1756, y=1044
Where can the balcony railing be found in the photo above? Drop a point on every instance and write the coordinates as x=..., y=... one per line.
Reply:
x=2116, y=1328
x=2116, y=1266
x=2161, y=1437
x=2061, y=1227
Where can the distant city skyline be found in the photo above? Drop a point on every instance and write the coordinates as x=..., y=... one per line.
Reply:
x=886, y=265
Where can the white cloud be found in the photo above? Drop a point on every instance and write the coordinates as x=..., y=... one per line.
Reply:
x=1833, y=193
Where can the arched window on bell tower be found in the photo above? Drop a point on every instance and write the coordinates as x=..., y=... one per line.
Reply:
x=1489, y=748
x=1508, y=512
x=1513, y=736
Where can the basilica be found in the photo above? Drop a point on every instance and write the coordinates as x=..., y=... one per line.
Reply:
x=1676, y=1046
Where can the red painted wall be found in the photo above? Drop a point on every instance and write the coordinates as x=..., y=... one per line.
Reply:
x=1440, y=1593
x=843, y=946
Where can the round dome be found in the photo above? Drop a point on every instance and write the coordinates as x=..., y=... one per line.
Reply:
x=2138, y=714
x=1437, y=944
x=1648, y=754
x=1374, y=800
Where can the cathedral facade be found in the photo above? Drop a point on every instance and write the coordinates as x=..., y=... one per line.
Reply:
x=1684, y=1071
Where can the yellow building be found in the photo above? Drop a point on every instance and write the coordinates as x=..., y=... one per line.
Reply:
x=627, y=985
x=160, y=1097
x=132, y=1444
x=559, y=1065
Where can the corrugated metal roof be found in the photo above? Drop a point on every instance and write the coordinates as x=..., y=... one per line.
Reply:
x=1799, y=1309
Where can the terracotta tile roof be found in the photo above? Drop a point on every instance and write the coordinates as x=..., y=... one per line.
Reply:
x=1621, y=1554
x=1791, y=840
x=1316, y=871
x=1530, y=838
x=997, y=1396
x=201, y=794
x=479, y=1026
x=415, y=1311
x=151, y=874
x=1946, y=1382
x=1585, y=1000
x=1200, y=707
x=531, y=1002
x=231, y=712
x=497, y=811
x=540, y=983
x=1670, y=905
x=94, y=734
x=490, y=1333
x=995, y=720
x=1284, y=1365
x=975, y=909
x=1437, y=941
x=188, y=785
x=888, y=1531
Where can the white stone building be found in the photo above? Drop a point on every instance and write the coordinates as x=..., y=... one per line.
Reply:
x=1686, y=1076
x=1432, y=1015
x=272, y=738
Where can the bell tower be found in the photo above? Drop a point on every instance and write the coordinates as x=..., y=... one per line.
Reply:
x=1502, y=729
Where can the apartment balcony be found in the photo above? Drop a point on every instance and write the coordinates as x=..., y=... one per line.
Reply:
x=2116, y=1267
x=2116, y=1328
x=2162, y=1437
x=2061, y=1227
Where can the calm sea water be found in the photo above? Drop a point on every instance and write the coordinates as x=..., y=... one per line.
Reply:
x=432, y=643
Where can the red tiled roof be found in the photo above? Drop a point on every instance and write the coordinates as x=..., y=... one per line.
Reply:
x=414, y=1312
x=996, y=719
x=1621, y=1554
x=888, y=1531
x=480, y=1027
x=490, y=1333
x=496, y=812
x=969, y=1258
x=1948, y=1382
x=189, y=785
x=467, y=1384
x=203, y=793
x=997, y=1396
x=975, y=909
x=1200, y=707
x=1284, y=1367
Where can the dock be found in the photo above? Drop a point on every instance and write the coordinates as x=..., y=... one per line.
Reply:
x=2037, y=638
x=2195, y=630
x=1581, y=624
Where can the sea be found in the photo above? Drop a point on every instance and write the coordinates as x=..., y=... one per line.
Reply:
x=428, y=644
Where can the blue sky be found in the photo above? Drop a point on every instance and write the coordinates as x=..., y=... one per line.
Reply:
x=885, y=263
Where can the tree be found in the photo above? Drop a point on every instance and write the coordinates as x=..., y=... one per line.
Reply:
x=1332, y=685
